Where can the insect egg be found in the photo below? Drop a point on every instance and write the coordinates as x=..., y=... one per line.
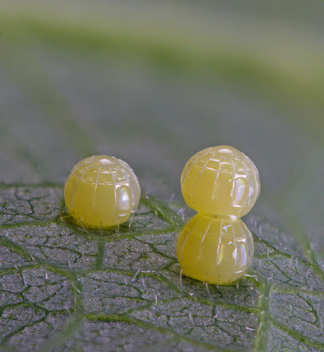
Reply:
x=215, y=249
x=220, y=181
x=101, y=191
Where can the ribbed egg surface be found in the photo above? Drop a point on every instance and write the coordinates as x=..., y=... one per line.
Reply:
x=101, y=191
x=220, y=181
x=215, y=249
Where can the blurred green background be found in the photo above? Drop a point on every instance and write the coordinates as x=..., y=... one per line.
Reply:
x=153, y=82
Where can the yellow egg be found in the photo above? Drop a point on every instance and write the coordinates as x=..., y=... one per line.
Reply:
x=220, y=181
x=101, y=191
x=215, y=249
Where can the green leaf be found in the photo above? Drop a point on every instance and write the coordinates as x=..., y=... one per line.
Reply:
x=63, y=286
x=153, y=83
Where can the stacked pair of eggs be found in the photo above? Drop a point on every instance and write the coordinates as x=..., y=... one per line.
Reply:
x=222, y=185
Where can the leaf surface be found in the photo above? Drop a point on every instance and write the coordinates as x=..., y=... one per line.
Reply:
x=153, y=83
x=63, y=288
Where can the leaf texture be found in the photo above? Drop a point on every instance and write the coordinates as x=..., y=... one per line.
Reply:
x=65, y=289
x=153, y=83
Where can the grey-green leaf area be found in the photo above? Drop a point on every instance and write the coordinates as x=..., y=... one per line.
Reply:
x=66, y=289
x=153, y=82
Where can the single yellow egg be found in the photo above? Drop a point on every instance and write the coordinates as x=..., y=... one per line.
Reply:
x=215, y=249
x=220, y=181
x=101, y=191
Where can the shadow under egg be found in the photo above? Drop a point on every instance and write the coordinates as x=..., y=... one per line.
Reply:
x=119, y=228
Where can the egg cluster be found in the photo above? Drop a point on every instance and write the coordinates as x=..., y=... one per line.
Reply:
x=222, y=184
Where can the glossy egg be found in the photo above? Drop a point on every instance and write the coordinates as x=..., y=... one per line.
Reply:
x=101, y=191
x=220, y=181
x=215, y=249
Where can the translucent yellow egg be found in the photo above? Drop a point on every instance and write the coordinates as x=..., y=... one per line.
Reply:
x=220, y=181
x=215, y=249
x=101, y=191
